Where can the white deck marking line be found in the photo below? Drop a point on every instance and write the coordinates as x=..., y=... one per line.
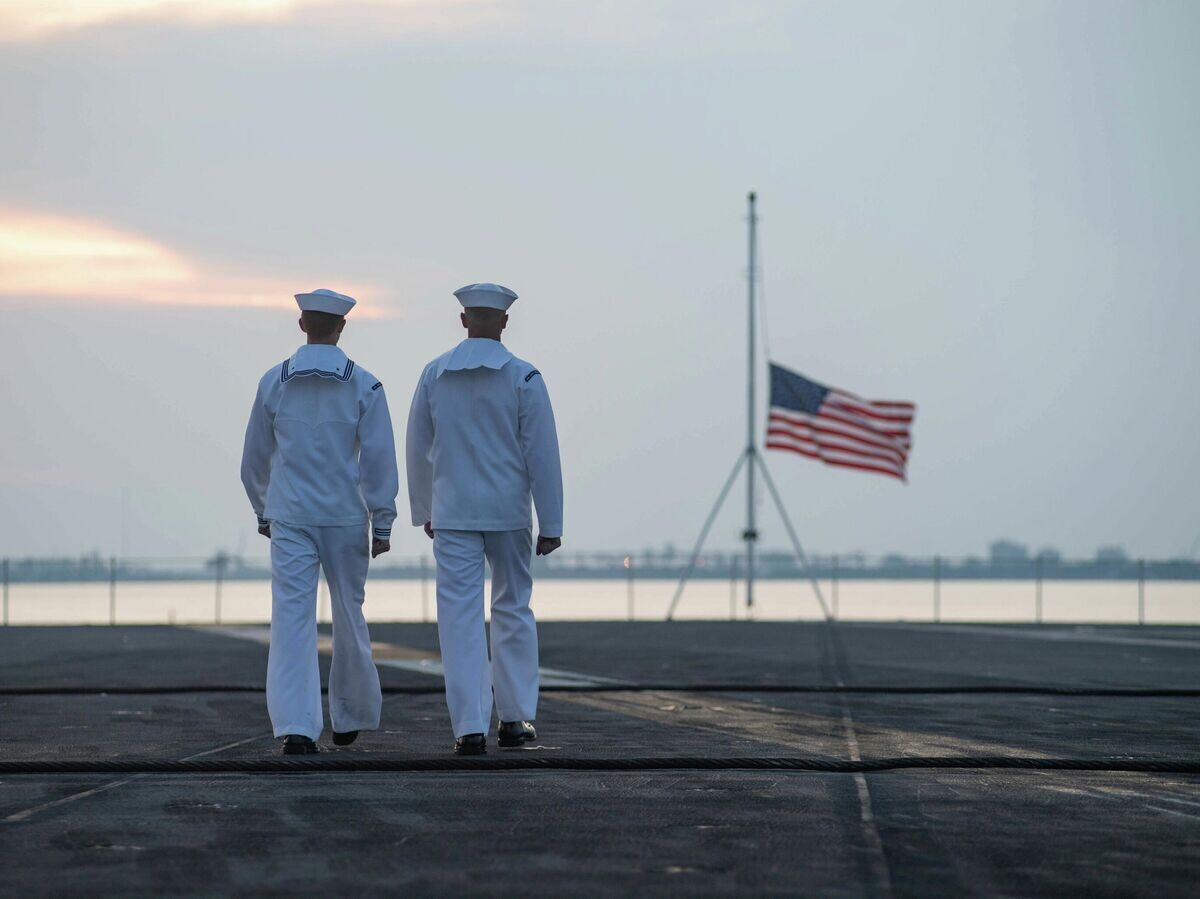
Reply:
x=28, y=813
x=46, y=806
x=1174, y=813
x=407, y=658
x=1054, y=635
x=1173, y=799
x=883, y=874
x=199, y=755
x=1117, y=794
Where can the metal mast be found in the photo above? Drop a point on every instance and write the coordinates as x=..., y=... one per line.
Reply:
x=750, y=535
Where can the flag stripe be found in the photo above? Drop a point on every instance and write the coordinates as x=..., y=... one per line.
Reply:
x=842, y=413
x=834, y=444
x=836, y=427
x=828, y=452
x=820, y=434
x=876, y=408
x=849, y=408
x=844, y=430
x=855, y=398
x=898, y=474
x=861, y=465
x=880, y=469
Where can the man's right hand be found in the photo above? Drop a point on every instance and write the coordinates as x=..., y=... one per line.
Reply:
x=265, y=530
x=429, y=529
x=547, y=545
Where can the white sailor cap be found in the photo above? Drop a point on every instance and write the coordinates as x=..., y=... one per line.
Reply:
x=325, y=301
x=489, y=296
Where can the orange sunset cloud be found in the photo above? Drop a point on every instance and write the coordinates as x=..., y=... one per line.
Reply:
x=34, y=19
x=55, y=259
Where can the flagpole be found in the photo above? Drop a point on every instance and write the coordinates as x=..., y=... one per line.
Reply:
x=750, y=535
x=751, y=459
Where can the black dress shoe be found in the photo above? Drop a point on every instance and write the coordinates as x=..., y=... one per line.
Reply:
x=294, y=744
x=470, y=744
x=514, y=733
x=344, y=739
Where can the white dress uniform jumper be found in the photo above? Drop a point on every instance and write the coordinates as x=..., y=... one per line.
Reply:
x=319, y=461
x=482, y=443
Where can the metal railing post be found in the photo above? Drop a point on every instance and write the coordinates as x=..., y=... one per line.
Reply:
x=220, y=576
x=424, y=590
x=6, y=591
x=1037, y=567
x=833, y=604
x=1141, y=575
x=629, y=584
x=937, y=589
x=112, y=590
x=733, y=585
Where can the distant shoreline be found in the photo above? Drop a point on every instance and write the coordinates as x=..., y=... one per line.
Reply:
x=597, y=568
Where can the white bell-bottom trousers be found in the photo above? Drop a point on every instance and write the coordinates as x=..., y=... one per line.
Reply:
x=293, y=674
x=512, y=672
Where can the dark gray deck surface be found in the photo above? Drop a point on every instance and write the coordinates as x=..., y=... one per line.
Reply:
x=911, y=832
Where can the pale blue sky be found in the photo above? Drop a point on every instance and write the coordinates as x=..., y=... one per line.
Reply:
x=990, y=209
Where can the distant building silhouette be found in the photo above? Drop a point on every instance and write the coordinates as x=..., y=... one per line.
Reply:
x=1002, y=551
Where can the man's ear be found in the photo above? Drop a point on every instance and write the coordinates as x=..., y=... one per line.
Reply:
x=462, y=316
x=504, y=322
x=341, y=326
x=302, y=328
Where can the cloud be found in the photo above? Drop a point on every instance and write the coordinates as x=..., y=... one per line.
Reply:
x=507, y=28
x=36, y=19
x=59, y=259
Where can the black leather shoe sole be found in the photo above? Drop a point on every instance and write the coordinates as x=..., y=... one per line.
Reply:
x=294, y=745
x=515, y=733
x=344, y=739
x=467, y=746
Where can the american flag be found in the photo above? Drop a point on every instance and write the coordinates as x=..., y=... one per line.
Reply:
x=837, y=427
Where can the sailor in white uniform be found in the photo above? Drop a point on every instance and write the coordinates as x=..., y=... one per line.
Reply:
x=481, y=443
x=319, y=461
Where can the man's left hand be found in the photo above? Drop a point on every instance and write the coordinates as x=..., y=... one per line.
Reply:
x=379, y=547
x=547, y=545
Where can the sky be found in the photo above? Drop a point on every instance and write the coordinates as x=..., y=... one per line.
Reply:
x=989, y=209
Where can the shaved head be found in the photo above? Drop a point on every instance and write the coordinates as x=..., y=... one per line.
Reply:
x=484, y=317
x=481, y=321
x=320, y=325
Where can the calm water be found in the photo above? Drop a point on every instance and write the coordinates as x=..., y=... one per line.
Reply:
x=192, y=602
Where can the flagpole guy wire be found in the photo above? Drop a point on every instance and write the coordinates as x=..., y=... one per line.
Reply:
x=750, y=459
x=712, y=515
x=787, y=523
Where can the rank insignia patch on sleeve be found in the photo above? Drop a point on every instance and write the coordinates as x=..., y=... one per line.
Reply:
x=529, y=376
x=377, y=385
